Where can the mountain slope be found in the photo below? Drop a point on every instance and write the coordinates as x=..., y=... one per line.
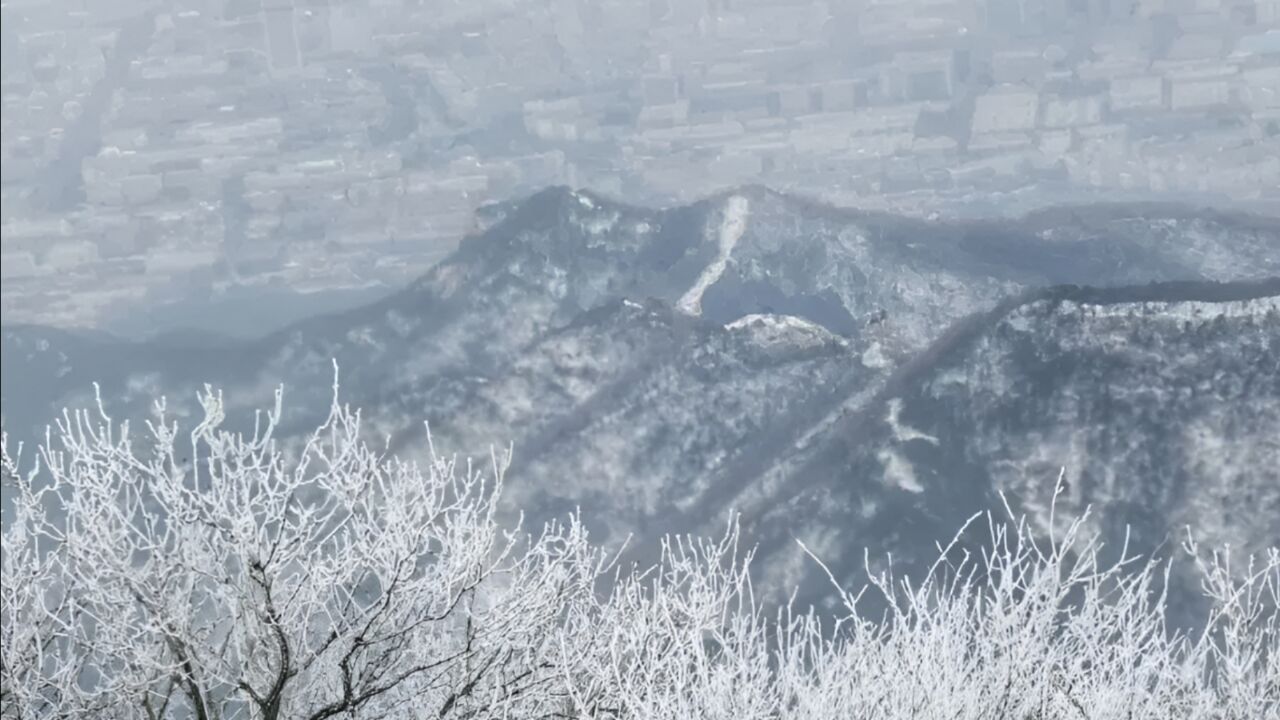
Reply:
x=855, y=378
x=1160, y=405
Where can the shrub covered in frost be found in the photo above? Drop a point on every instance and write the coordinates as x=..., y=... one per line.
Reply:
x=217, y=575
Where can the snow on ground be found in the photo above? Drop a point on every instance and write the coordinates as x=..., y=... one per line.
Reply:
x=1175, y=312
x=731, y=229
x=783, y=330
x=874, y=357
x=904, y=433
x=898, y=470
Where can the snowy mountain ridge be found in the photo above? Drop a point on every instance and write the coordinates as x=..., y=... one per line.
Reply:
x=848, y=378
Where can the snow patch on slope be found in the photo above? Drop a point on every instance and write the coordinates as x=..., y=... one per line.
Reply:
x=732, y=227
x=898, y=470
x=595, y=221
x=783, y=330
x=874, y=357
x=904, y=433
x=1178, y=311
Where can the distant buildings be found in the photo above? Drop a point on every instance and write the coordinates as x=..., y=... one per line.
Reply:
x=235, y=141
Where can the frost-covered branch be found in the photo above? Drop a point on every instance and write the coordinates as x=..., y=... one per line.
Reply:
x=250, y=584
x=331, y=581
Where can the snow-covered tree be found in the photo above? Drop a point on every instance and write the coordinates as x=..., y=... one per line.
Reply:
x=249, y=583
x=221, y=575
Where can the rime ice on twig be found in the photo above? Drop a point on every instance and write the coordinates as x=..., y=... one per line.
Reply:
x=338, y=582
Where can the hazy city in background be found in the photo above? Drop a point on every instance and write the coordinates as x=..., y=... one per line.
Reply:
x=232, y=154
